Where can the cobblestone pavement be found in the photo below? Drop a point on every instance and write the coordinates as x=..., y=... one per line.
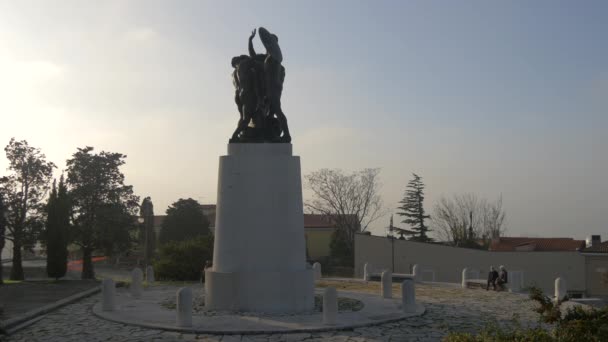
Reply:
x=448, y=309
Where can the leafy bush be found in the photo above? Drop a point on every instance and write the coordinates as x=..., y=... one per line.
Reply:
x=577, y=324
x=583, y=325
x=183, y=260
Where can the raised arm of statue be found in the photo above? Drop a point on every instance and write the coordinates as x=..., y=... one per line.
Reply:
x=271, y=43
x=251, y=49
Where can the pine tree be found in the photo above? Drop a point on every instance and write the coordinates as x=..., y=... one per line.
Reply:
x=57, y=231
x=412, y=207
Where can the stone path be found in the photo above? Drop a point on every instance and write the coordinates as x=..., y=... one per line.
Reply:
x=448, y=309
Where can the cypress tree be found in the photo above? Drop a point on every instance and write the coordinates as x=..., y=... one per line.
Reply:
x=412, y=209
x=57, y=230
x=148, y=236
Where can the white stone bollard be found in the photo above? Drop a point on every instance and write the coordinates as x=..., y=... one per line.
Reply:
x=386, y=281
x=408, y=296
x=367, y=270
x=316, y=268
x=150, y=274
x=330, y=306
x=560, y=288
x=184, y=307
x=108, y=290
x=465, y=278
x=137, y=277
x=416, y=272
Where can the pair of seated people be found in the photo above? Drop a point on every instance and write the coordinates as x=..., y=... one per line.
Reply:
x=496, y=279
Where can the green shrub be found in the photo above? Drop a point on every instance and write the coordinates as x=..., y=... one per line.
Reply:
x=183, y=260
x=577, y=324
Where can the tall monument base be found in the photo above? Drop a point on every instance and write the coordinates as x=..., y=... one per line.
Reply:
x=259, y=257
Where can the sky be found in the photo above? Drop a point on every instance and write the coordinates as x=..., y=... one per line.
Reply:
x=494, y=98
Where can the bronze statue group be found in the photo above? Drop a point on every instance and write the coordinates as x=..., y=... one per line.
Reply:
x=258, y=79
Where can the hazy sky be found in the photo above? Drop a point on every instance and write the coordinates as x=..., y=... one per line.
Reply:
x=486, y=97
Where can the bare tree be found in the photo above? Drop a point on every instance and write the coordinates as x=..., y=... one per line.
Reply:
x=465, y=219
x=494, y=219
x=351, y=200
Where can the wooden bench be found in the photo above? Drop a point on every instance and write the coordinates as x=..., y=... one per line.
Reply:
x=397, y=277
x=477, y=284
x=482, y=284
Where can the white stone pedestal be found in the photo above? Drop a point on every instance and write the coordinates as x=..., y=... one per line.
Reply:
x=259, y=257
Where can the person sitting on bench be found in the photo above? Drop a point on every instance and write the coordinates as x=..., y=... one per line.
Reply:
x=492, y=277
x=503, y=278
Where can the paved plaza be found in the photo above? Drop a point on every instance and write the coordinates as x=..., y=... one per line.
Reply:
x=448, y=308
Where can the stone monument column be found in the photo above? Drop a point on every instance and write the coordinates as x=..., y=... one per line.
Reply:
x=259, y=257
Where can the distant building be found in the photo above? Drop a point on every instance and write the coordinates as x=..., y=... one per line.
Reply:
x=596, y=265
x=7, y=251
x=533, y=244
x=318, y=230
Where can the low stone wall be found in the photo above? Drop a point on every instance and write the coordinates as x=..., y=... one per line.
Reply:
x=445, y=264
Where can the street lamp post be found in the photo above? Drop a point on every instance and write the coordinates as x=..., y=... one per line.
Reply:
x=391, y=229
x=393, y=253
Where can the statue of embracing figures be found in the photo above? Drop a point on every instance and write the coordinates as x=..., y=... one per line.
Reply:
x=258, y=79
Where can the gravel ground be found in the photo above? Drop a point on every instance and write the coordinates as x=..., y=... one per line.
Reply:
x=448, y=309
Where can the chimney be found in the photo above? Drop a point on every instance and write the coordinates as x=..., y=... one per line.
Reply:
x=592, y=240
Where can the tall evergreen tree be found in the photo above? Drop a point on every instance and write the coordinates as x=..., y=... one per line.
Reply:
x=24, y=190
x=103, y=205
x=148, y=237
x=185, y=220
x=412, y=208
x=57, y=231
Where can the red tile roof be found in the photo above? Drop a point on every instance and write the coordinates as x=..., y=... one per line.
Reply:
x=507, y=244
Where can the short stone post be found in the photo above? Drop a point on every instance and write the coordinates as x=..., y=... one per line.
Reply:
x=137, y=277
x=560, y=288
x=316, y=268
x=408, y=295
x=150, y=274
x=416, y=273
x=386, y=281
x=465, y=278
x=108, y=289
x=367, y=270
x=184, y=307
x=330, y=306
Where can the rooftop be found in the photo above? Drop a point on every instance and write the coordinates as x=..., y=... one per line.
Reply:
x=599, y=248
x=534, y=244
